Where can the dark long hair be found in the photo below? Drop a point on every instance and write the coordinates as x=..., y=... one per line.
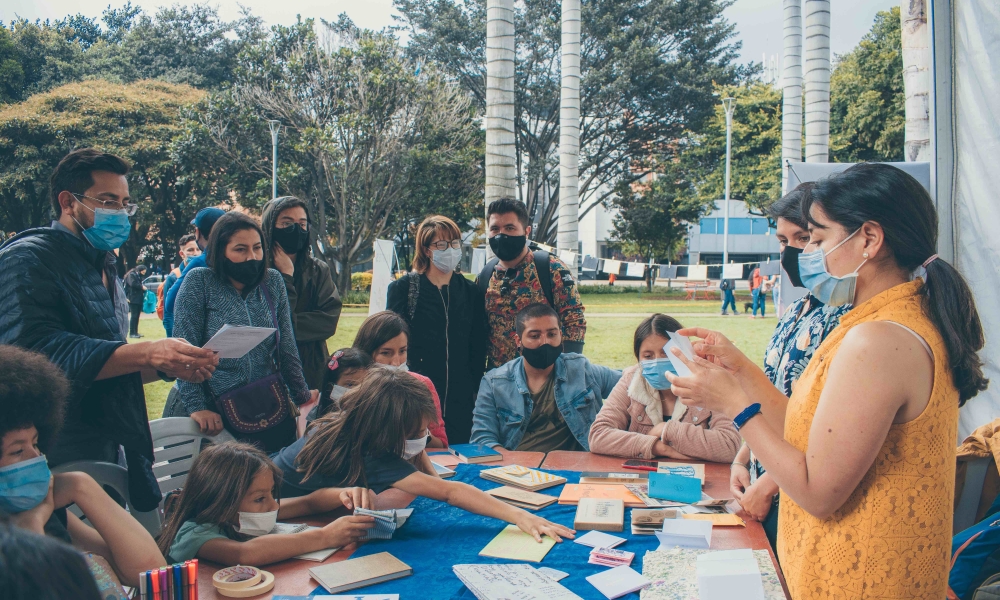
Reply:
x=376, y=417
x=657, y=323
x=36, y=567
x=269, y=219
x=789, y=206
x=223, y=230
x=379, y=329
x=219, y=478
x=888, y=196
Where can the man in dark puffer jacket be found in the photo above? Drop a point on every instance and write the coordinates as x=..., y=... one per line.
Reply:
x=59, y=295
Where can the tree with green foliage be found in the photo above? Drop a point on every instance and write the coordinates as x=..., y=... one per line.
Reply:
x=365, y=134
x=867, y=115
x=648, y=68
x=138, y=122
x=652, y=220
x=756, y=147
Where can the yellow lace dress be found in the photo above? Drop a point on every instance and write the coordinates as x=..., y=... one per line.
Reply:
x=892, y=537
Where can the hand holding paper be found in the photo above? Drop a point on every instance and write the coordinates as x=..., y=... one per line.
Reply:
x=234, y=341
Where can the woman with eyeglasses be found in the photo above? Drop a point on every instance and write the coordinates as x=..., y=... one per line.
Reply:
x=445, y=313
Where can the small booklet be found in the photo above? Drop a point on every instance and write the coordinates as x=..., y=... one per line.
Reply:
x=609, y=557
x=522, y=477
x=573, y=492
x=600, y=515
x=719, y=520
x=597, y=539
x=677, y=488
x=514, y=544
x=359, y=572
x=475, y=453
x=616, y=582
x=506, y=582
x=234, y=341
x=610, y=478
x=442, y=471
x=521, y=498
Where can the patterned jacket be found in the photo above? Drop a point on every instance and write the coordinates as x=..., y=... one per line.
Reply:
x=525, y=289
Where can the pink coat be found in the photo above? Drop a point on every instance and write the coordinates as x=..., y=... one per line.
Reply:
x=634, y=407
x=438, y=429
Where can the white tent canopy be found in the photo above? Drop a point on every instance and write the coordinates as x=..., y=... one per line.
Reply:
x=965, y=136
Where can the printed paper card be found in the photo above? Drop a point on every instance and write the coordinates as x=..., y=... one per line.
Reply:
x=514, y=544
x=684, y=533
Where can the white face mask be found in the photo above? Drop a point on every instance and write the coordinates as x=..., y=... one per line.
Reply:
x=338, y=392
x=447, y=260
x=412, y=448
x=257, y=524
x=402, y=367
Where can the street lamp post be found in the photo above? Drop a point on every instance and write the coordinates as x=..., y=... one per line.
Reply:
x=729, y=104
x=275, y=128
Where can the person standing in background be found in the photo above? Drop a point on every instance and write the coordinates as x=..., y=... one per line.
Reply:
x=135, y=292
x=756, y=283
x=311, y=292
x=519, y=277
x=203, y=223
x=728, y=298
x=445, y=313
x=187, y=248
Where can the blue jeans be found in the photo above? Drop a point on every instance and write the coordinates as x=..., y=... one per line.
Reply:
x=727, y=299
x=759, y=299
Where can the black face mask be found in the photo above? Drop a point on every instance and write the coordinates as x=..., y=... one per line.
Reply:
x=790, y=263
x=543, y=356
x=249, y=272
x=508, y=247
x=293, y=239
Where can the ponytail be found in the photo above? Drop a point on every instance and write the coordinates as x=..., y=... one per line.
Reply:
x=890, y=197
x=949, y=302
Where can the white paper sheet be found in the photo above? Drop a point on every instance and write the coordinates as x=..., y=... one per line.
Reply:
x=684, y=345
x=616, y=582
x=234, y=341
x=520, y=581
x=633, y=269
x=729, y=574
x=611, y=266
x=552, y=573
x=732, y=271
x=698, y=272
x=597, y=539
x=685, y=533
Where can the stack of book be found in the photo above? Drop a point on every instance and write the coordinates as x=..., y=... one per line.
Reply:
x=522, y=477
x=609, y=557
x=647, y=521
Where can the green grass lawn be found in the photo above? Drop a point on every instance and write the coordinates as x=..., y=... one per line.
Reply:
x=609, y=338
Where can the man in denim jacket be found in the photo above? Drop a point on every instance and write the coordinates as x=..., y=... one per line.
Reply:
x=543, y=400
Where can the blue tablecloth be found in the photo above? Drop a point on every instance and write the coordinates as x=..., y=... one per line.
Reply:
x=438, y=536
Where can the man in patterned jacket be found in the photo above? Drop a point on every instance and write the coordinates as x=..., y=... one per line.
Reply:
x=520, y=277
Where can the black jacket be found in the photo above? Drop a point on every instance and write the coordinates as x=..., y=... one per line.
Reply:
x=53, y=301
x=134, y=290
x=314, y=300
x=457, y=381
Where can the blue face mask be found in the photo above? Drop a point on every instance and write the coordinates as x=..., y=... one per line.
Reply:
x=827, y=288
x=24, y=485
x=655, y=371
x=111, y=228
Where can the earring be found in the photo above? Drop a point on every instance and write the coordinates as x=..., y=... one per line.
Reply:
x=865, y=255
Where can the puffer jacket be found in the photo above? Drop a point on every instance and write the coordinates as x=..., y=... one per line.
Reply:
x=313, y=297
x=53, y=301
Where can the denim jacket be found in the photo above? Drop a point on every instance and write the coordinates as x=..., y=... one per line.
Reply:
x=504, y=405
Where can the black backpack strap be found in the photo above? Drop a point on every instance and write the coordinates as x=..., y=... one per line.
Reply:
x=413, y=295
x=483, y=281
x=544, y=269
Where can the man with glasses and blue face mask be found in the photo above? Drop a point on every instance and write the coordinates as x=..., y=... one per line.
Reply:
x=60, y=295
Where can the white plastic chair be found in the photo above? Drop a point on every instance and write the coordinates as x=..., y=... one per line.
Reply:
x=116, y=477
x=177, y=441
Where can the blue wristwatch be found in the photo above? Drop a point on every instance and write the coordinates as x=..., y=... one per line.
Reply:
x=747, y=414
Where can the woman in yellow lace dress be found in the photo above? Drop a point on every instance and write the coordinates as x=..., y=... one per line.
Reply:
x=864, y=450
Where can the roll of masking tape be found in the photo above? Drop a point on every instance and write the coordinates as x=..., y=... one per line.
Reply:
x=265, y=585
x=237, y=578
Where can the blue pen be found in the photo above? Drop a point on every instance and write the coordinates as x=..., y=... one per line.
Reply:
x=149, y=585
x=178, y=588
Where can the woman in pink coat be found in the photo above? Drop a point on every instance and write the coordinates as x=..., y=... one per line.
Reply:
x=642, y=419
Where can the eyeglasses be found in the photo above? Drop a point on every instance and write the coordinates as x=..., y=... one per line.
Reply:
x=109, y=205
x=443, y=245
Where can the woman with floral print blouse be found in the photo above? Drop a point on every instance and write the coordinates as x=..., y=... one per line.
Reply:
x=799, y=333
